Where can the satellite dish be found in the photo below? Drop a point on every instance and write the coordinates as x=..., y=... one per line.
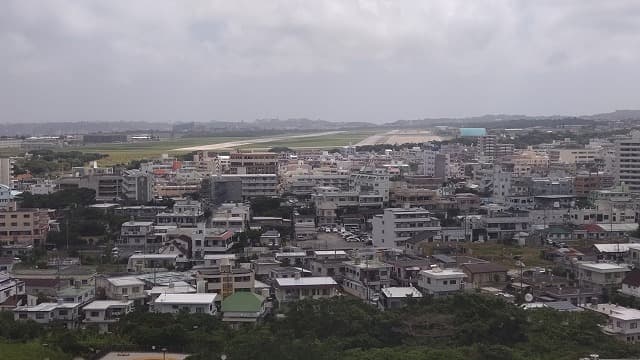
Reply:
x=528, y=297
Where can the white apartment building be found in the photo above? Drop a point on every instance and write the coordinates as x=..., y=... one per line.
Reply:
x=6, y=171
x=437, y=281
x=395, y=225
x=103, y=313
x=6, y=196
x=628, y=161
x=10, y=286
x=198, y=303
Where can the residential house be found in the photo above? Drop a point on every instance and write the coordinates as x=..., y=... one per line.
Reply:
x=140, y=263
x=198, y=303
x=299, y=288
x=605, y=275
x=121, y=288
x=366, y=278
x=396, y=297
x=46, y=313
x=622, y=322
x=437, y=281
x=103, y=313
x=631, y=283
x=481, y=274
x=243, y=307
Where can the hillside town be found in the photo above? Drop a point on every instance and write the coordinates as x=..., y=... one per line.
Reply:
x=244, y=235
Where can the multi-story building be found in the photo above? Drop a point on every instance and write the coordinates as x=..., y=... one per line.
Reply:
x=253, y=163
x=395, y=225
x=136, y=234
x=6, y=196
x=45, y=313
x=574, y=156
x=219, y=189
x=503, y=224
x=10, y=287
x=365, y=278
x=185, y=213
x=628, y=161
x=23, y=226
x=233, y=216
x=137, y=186
x=121, y=288
x=107, y=185
x=225, y=280
x=104, y=313
x=6, y=171
x=604, y=275
x=304, y=184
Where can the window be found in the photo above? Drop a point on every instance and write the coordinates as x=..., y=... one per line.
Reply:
x=452, y=282
x=63, y=312
x=428, y=280
x=39, y=315
x=22, y=316
x=94, y=314
x=199, y=310
x=633, y=325
x=125, y=291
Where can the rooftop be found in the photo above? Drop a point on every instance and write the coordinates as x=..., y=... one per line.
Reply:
x=615, y=311
x=401, y=292
x=125, y=281
x=306, y=281
x=243, y=301
x=606, y=267
x=197, y=298
x=444, y=272
x=105, y=304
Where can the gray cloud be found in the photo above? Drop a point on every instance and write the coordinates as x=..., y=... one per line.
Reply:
x=363, y=60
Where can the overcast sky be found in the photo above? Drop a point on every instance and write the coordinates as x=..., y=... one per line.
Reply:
x=336, y=60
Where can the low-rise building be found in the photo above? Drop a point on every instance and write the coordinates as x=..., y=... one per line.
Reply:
x=365, y=278
x=46, y=313
x=104, y=313
x=299, y=288
x=243, y=307
x=622, y=322
x=198, y=303
x=396, y=297
x=481, y=274
x=121, y=288
x=601, y=274
x=141, y=263
x=437, y=281
x=631, y=283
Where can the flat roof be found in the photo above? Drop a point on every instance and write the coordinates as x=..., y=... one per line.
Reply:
x=125, y=281
x=330, y=252
x=105, y=304
x=615, y=311
x=47, y=307
x=603, y=266
x=219, y=256
x=306, y=281
x=445, y=273
x=401, y=292
x=197, y=298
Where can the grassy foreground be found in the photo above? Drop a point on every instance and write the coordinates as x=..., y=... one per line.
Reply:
x=30, y=351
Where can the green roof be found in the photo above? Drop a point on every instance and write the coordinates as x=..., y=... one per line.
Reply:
x=242, y=301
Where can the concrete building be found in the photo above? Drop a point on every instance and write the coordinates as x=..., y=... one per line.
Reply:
x=300, y=288
x=121, y=288
x=243, y=307
x=437, y=281
x=136, y=234
x=137, y=186
x=6, y=171
x=104, y=313
x=6, y=196
x=23, y=226
x=397, y=297
x=628, y=161
x=603, y=275
x=366, y=278
x=232, y=216
x=396, y=225
x=622, y=322
x=198, y=303
x=241, y=163
x=225, y=280
x=46, y=313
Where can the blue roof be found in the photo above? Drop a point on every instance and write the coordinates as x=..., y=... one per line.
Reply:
x=473, y=131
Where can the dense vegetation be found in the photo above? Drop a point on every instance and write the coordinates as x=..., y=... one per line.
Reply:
x=460, y=327
x=45, y=162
